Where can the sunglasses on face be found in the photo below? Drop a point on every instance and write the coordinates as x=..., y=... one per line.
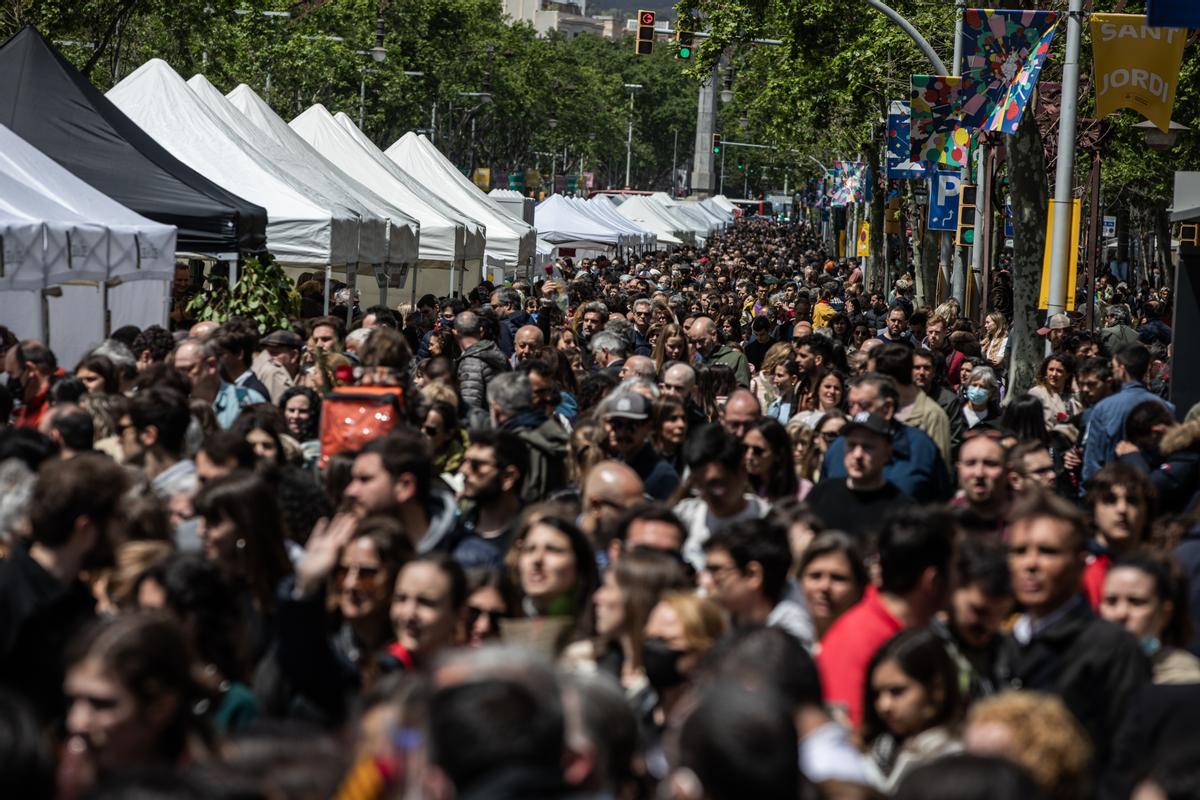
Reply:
x=363, y=572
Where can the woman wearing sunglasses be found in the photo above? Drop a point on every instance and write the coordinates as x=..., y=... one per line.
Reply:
x=769, y=462
x=344, y=584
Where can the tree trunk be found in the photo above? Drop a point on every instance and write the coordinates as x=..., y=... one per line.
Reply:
x=1030, y=196
x=927, y=271
x=878, y=202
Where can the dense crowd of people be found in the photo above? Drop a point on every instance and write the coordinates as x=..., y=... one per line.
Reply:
x=725, y=522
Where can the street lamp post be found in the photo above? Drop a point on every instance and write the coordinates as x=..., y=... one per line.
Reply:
x=629, y=138
x=378, y=54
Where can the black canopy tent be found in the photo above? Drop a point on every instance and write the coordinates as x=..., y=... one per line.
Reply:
x=51, y=105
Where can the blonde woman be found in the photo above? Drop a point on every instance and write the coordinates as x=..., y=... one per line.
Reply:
x=762, y=384
x=995, y=339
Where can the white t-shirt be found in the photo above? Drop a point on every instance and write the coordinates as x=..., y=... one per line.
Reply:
x=701, y=523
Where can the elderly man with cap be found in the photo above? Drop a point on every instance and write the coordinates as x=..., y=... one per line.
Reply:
x=1055, y=330
x=627, y=426
x=278, y=363
x=858, y=502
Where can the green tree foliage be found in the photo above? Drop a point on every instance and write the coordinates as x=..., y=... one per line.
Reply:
x=263, y=293
x=319, y=54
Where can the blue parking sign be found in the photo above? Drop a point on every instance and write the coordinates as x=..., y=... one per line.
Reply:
x=943, y=201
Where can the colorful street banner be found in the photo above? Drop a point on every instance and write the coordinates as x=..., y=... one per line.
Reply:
x=937, y=135
x=864, y=239
x=1137, y=66
x=1003, y=53
x=899, y=165
x=1072, y=258
x=1173, y=13
x=850, y=183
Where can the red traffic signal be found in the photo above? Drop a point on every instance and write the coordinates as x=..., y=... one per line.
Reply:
x=645, y=32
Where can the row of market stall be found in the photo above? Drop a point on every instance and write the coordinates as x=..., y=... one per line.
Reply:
x=629, y=221
x=101, y=194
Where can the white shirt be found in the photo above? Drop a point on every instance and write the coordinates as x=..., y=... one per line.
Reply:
x=701, y=523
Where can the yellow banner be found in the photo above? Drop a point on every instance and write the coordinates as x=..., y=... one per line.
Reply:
x=1073, y=256
x=891, y=219
x=864, y=239
x=1137, y=66
x=482, y=178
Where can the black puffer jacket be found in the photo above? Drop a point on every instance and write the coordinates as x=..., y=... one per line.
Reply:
x=478, y=364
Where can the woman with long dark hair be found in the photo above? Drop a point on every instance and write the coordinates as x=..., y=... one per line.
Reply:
x=556, y=574
x=911, y=707
x=769, y=463
x=301, y=408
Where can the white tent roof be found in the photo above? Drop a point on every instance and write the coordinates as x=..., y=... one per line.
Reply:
x=627, y=236
x=724, y=202
x=508, y=240
x=27, y=256
x=717, y=220
x=403, y=231
x=300, y=228
x=652, y=216
x=80, y=247
x=603, y=209
x=562, y=224
x=301, y=174
x=446, y=236
x=711, y=205
x=696, y=221
x=139, y=249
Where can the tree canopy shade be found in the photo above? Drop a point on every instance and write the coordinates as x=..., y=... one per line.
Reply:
x=50, y=104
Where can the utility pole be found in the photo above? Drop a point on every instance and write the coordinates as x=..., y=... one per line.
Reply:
x=1060, y=244
x=955, y=257
x=632, y=87
x=674, y=161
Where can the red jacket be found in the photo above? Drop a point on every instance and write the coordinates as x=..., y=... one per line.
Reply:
x=847, y=648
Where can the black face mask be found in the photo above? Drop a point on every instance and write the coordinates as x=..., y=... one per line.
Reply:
x=662, y=664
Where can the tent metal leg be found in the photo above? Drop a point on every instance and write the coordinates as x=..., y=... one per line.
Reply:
x=351, y=280
x=413, y=277
x=383, y=288
x=328, y=280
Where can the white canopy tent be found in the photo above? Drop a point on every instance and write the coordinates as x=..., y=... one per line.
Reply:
x=402, y=230
x=301, y=228
x=725, y=203
x=602, y=209
x=652, y=216
x=446, y=239
x=475, y=231
x=104, y=260
x=516, y=204
x=717, y=220
x=300, y=174
x=560, y=223
x=630, y=236
x=698, y=223
x=713, y=207
x=508, y=240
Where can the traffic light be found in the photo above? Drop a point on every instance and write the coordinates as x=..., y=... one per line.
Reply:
x=716, y=144
x=965, y=236
x=685, y=41
x=645, y=32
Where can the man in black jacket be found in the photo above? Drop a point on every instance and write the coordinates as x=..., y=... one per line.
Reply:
x=76, y=510
x=1062, y=647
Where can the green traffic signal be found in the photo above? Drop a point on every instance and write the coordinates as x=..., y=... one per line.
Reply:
x=685, y=52
x=968, y=237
